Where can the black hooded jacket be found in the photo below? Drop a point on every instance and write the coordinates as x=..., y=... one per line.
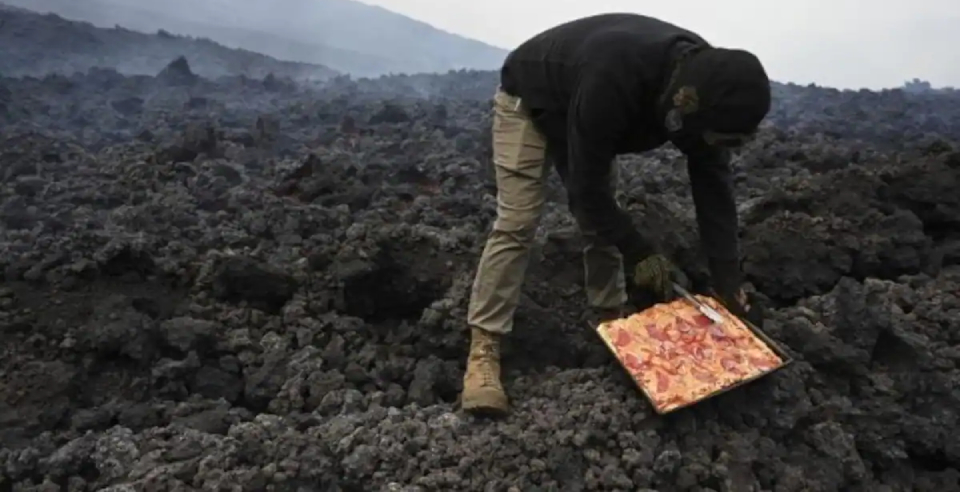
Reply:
x=595, y=88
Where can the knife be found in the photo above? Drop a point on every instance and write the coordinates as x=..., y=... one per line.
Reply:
x=707, y=311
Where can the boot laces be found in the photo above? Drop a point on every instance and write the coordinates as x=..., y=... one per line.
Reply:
x=489, y=352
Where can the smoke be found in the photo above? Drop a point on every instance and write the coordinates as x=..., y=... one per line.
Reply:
x=347, y=36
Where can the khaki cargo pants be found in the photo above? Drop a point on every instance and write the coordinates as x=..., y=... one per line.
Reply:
x=520, y=161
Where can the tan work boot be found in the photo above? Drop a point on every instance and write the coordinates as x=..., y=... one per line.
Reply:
x=482, y=391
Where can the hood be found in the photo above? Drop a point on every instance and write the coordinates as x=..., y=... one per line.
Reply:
x=719, y=90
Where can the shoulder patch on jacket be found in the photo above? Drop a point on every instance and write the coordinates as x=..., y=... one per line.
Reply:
x=686, y=100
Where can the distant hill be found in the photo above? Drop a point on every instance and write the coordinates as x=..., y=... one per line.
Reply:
x=346, y=35
x=35, y=44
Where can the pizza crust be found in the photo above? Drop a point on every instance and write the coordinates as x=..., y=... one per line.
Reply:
x=678, y=356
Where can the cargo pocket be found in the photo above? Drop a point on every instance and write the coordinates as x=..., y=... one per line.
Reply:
x=519, y=154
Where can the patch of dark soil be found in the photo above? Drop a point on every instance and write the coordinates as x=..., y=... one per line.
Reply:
x=64, y=351
x=398, y=282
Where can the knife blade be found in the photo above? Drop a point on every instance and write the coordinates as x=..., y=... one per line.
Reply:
x=707, y=311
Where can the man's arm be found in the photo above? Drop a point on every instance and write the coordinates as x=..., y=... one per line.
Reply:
x=598, y=118
x=711, y=181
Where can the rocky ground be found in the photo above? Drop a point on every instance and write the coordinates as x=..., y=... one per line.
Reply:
x=249, y=285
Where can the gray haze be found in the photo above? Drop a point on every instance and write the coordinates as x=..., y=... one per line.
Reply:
x=345, y=35
x=838, y=43
x=33, y=44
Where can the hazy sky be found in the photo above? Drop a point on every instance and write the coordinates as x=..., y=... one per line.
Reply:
x=839, y=43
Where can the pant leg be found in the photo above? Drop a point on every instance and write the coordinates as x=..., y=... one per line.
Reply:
x=519, y=162
x=602, y=263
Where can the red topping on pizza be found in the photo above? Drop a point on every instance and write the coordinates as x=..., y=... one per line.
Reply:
x=679, y=356
x=623, y=338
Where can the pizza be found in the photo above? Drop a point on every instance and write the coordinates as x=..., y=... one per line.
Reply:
x=679, y=356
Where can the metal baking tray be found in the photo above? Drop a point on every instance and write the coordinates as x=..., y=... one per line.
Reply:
x=785, y=358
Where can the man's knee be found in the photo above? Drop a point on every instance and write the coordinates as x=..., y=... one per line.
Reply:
x=520, y=228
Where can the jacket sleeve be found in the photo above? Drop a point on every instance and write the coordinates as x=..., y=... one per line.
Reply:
x=598, y=118
x=711, y=180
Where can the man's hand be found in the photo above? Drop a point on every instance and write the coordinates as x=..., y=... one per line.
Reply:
x=740, y=305
x=727, y=280
x=742, y=300
x=656, y=274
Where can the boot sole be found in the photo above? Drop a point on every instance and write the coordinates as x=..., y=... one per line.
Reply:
x=488, y=406
x=486, y=411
